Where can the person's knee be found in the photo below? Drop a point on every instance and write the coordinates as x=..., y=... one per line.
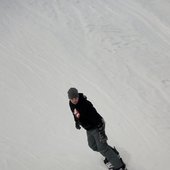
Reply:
x=103, y=149
x=93, y=147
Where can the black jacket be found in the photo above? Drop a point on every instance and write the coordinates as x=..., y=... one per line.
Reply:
x=86, y=115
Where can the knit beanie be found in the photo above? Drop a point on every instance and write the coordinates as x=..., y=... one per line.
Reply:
x=73, y=93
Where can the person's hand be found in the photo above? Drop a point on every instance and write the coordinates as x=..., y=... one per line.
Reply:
x=77, y=126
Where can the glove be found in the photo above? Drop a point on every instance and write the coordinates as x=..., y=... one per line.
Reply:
x=77, y=126
x=101, y=128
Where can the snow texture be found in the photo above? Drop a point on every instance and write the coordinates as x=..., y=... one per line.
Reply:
x=115, y=52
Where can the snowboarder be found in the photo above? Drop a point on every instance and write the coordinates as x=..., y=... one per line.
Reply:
x=86, y=116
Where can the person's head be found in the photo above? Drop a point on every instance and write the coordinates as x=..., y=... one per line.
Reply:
x=73, y=95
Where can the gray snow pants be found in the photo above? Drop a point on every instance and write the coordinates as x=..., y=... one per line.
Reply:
x=96, y=145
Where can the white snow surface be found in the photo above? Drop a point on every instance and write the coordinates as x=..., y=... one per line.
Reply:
x=116, y=52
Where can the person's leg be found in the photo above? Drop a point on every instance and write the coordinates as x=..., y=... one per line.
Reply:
x=91, y=140
x=106, y=150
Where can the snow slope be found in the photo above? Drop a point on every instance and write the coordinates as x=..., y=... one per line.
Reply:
x=116, y=52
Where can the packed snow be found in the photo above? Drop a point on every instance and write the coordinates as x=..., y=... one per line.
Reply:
x=116, y=52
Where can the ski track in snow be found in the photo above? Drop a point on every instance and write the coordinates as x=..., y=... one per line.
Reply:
x=116, y=52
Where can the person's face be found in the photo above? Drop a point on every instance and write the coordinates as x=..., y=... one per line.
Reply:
x=74, y=100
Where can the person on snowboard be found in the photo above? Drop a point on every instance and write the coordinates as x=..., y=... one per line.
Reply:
x=86, y=116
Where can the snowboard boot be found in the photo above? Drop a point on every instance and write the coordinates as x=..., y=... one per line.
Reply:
x=111, y=167
x=108, y=164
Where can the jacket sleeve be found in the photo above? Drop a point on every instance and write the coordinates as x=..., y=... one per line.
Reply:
x=91, y=109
